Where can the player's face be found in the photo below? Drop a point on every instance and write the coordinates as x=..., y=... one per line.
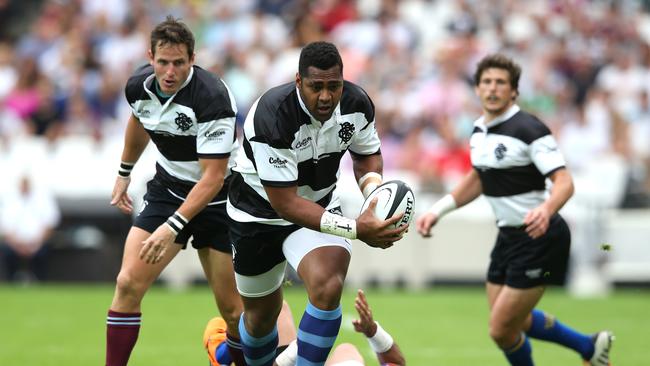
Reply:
x=495, y=91
x=171, y=64
x=321, y=91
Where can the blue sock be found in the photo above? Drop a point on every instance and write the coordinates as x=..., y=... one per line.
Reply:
x=520, y=354
x=222, y=354
x=316, y=335
x=258, y=351
x=547, y=328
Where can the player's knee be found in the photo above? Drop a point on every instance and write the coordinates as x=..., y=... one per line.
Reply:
x=231, y=316
x=345, y=352
x=260, y=323
x=326, y=292
x=349, y=348
x=129, y=287
x=502, y=335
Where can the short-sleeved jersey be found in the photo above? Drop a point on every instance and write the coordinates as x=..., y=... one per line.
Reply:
x=285, y=146
x=198, y=121
x=513, y=155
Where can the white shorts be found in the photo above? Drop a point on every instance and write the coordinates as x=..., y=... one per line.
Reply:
x=295, y=247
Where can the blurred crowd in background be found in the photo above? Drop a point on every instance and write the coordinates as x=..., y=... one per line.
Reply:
x=586, y=69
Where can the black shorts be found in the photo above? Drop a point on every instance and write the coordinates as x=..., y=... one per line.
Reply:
x=519, y=261
x=257, y=247
x=209, y=228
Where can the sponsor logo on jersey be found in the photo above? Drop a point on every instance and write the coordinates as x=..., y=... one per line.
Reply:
x=144, y=113
x=303, y=143
x=346, y=132
x=500, y=151
x=214, y=135
x=278, y=162
x=183, y=122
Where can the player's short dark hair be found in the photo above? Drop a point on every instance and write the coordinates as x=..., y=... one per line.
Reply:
x=499, y=61
x=172, y=31
x=322, y=55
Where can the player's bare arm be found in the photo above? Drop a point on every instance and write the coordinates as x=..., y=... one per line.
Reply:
x=211, y=182
x=377, y=336
x=135, y=141
x=468, y=189
x=538, y=219
x=465, y=192
x=367, y=171
x=374, y=232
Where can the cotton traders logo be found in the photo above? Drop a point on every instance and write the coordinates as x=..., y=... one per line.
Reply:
x=214, y=135
x=183, y=122
x=500, y=151
x=303, y=143
x=346, y=132
x=277, y=162
x=144, y=113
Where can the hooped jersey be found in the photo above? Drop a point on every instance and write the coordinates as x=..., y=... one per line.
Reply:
x=198, y=121
x=513, y=155
x=285, y=146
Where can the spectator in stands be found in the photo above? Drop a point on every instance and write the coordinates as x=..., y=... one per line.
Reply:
x=27, y=220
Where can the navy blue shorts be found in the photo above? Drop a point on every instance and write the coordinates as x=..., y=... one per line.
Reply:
x=258, y=247
x=209, y=228
x=519, y=261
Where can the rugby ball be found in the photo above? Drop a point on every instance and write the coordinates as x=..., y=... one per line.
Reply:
x=393, y=197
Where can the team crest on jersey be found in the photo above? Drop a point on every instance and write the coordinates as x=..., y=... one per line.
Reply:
x=183, y=122
x=500, y=151
x=346, y=132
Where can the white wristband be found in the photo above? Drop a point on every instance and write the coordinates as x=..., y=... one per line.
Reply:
x=176, y=222
x=125, y=169
x=443, y=206
x=382, y=341
x=368, y=189
x=338, y=225
x=374, y=180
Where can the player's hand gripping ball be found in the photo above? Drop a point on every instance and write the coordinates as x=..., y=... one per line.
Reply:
x=393, y=197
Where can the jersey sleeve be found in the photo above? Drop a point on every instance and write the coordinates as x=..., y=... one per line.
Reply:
x=216, y=123
x=275, y=167
x=215, y=138
x=366, y=141
x=546, y=155
x=134, y=89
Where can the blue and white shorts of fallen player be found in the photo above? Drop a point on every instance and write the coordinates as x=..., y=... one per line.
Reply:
x=295, y=247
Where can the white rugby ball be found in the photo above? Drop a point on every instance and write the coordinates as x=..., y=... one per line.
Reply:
x=393, y=197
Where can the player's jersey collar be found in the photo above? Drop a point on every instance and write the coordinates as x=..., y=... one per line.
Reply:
x=311, y=118
x=500, y=119
x=150, y=81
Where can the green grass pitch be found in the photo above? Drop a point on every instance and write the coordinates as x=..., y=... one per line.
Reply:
x=65, y=325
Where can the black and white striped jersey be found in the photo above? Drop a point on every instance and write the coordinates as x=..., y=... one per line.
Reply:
x=198, y=121
x=285, y=146
x=513, y=155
